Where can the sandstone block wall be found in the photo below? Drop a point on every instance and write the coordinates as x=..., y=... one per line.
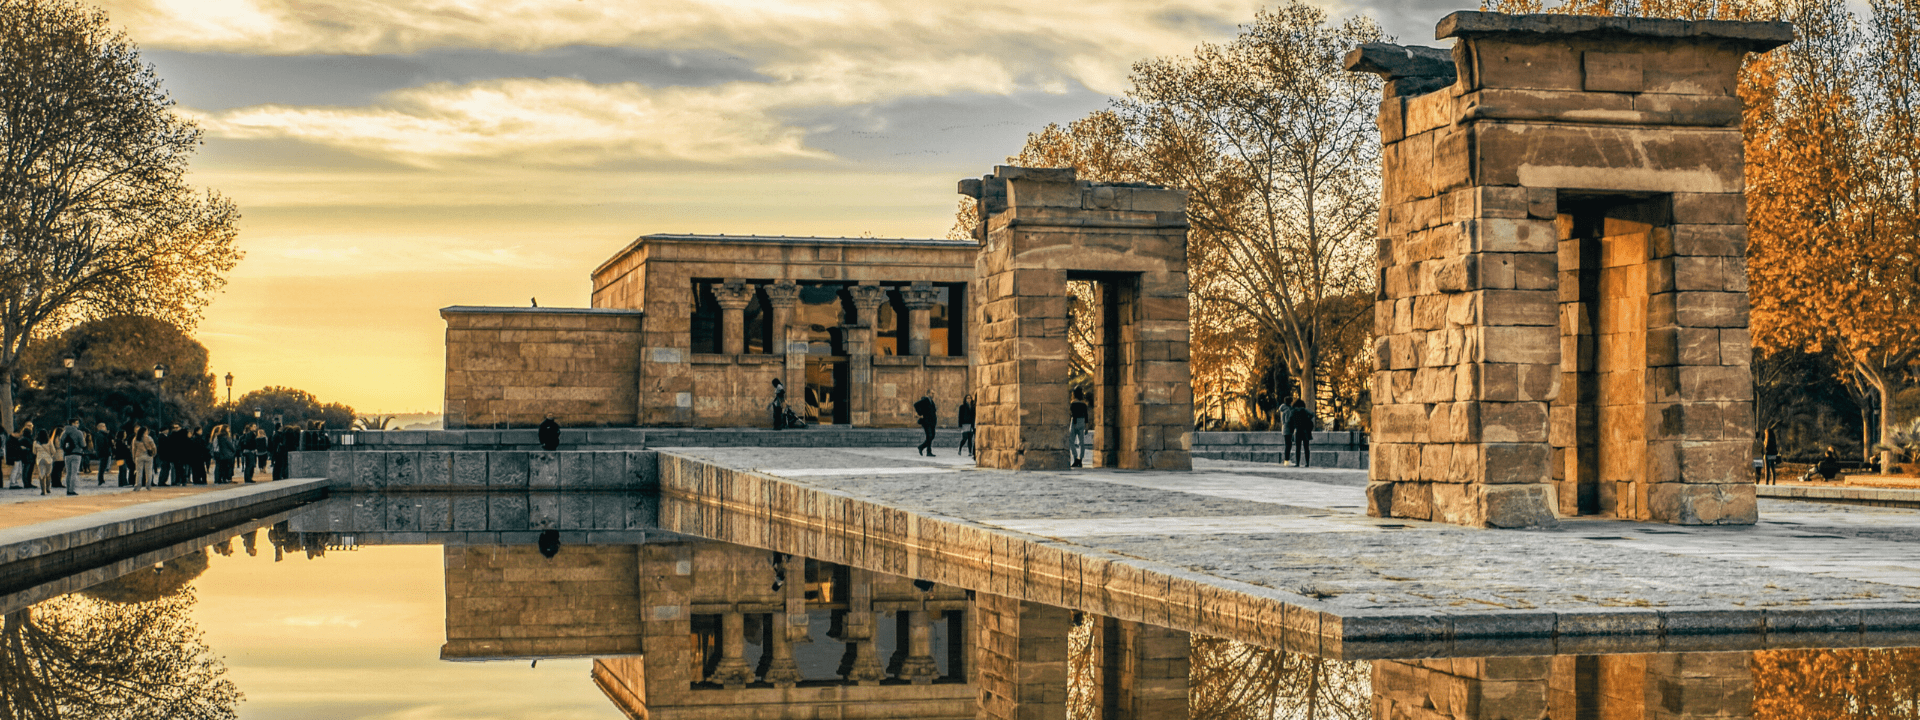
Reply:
x=509, y=601
x=1040, y=228
x=681, y=388
x=511, y=366
x=1558, y=222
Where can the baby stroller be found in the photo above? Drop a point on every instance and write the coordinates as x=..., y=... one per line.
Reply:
x=790, y=419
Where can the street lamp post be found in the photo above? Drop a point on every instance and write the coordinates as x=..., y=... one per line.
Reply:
x=229, y=402
x=159, y=374
x=68, y=362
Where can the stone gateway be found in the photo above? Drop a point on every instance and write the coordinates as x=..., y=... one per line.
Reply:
x=1561, y=326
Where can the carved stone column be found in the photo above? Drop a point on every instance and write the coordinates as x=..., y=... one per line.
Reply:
x=919, y=666
x=733, y=672
x=789, y=627
x=782, y=298
x=920, y=299
x=862, y=663
x=734, y=295
x=867, y=300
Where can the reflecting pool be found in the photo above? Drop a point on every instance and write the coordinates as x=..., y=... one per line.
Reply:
x=310, y=614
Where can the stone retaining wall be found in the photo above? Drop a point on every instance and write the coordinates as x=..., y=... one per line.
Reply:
x=467, y=470
x=632, y=438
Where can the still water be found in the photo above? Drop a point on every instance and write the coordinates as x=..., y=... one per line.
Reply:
x=277, y=624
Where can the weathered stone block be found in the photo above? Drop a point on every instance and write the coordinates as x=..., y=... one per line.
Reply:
x=1516, y=463
x=1688, y=504
x=507, y=470
x=1412, y=500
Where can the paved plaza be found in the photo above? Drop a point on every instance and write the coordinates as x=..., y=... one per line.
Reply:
x=1305, y=531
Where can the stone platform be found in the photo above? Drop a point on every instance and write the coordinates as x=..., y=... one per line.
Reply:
x=1287, y=557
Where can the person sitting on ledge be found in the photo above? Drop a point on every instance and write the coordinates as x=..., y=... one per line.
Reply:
x=1829, y=465
x=549, y=434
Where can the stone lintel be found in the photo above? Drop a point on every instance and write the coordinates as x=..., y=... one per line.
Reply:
x=1751, y=36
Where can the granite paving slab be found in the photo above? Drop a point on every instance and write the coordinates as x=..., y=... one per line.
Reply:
x=1304, y=531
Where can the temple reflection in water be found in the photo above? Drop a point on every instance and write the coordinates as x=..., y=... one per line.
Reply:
x=679, y=627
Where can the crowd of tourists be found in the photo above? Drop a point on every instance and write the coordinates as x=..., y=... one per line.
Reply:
x=141, y=457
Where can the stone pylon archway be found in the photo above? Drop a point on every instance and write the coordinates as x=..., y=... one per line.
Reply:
x=1562, y=317
x=1040, y=227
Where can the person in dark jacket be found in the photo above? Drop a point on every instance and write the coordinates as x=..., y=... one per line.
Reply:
x=1770, y=453
x=123, y=452
x=102, y=453
x=286, y=442
x=966, y=425
x=316, y=437
x=253, y=448
x=549, y=434
x=224, y=451
x=20, y=457
x=1300, y=433
x=168, y=466
x=1077, y=414
x=929, y=414
x=199, y=455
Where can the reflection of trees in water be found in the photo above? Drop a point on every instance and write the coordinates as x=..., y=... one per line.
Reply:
x=1836, y=684
x=116, y=651
x=1233, y=681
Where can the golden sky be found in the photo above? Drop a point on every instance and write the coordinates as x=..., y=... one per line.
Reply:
x=393, y=157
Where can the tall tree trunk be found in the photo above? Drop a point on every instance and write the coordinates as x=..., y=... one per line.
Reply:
x=6, y=399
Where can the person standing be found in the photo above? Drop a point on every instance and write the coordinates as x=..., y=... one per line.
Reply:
x=549, y=434
x=1300, y=434
x=286, y=442
x=1286, y=432
x=1077, y=428
x=1770, y=452
x=779, y=404
x=929, y=414
x=166, y=457
x=966, y=425
x=20, y=457
x=43, y=454
x=193, y=456
x=123, y=452
x=73, y=445
x=222, y=446
x=142, y=448
x=102, y=448
x=253, y=446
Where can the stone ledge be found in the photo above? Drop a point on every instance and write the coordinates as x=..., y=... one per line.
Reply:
x=68, y=545
x=1886, y=497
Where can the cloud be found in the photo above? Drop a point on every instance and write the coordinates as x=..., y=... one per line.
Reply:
x=555, y=121
x=1041, y=42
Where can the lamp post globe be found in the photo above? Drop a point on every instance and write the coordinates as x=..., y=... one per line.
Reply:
x=68, y=364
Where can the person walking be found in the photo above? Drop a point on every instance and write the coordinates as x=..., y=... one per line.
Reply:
x=1770, y=452
x=1300, y=434
x=779, y=404
x=929, y=414
x=20, y=457
x=73, y=445
x=1077, y=428
x=224, y=450
x=316, y=437
x=142, y=448
x=966, y=425
x=549, y=434
x=43, y=454
x=101, y=442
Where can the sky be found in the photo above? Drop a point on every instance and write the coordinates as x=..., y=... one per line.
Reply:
x=393, y=157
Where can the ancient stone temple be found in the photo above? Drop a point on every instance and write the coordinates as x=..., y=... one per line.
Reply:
x=692, y=330
x=1039, y=229
x=1562, y=318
